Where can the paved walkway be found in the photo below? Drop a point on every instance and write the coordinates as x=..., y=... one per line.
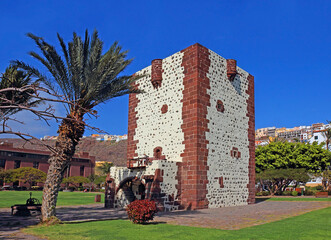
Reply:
x=221, y=218
x=231, y=218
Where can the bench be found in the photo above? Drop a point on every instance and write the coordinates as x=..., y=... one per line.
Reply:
x=321, y=195
x=32, y=204
x=23, y=208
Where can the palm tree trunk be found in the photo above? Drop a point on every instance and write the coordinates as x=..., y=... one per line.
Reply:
x=70, y=133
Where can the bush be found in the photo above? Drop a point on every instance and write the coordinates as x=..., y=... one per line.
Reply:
x=319, y=188
x=265, y=193
x=36, y=188
x=294, y=193
x=287, y=193
x=141, y=211
x=310, y=192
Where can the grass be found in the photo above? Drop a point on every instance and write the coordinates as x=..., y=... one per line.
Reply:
x=9, y=198
x=313, y=225
x=293, y=199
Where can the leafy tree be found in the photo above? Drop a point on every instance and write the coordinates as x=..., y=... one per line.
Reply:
x=85, y=77
x=96, y=180
x=75, y=180
x=276, y=180
x=6, y=175
x=100, y=180
x=326, y=175
x=28, y=175
x=104, y=167
x=282, y=155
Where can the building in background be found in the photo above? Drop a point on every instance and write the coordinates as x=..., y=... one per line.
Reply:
x=12, y=158
x=313, y=133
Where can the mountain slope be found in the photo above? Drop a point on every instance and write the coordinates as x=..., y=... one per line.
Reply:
x=103, y=151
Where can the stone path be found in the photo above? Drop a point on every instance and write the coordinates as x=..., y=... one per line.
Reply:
x=221, y=218
x=231, y=218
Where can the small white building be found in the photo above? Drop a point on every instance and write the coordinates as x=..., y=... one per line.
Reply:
x=319, y=135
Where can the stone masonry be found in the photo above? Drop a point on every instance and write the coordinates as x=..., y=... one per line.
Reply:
x=190, y=135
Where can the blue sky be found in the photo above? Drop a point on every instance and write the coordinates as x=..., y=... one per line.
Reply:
x=284, y=44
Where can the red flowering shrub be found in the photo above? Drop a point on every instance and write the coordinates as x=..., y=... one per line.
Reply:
x=141, y=211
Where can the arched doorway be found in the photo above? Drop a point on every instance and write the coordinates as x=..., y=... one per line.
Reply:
x=129, y=190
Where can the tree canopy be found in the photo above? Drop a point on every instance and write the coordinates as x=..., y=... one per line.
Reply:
x=10, y=81
x=276, y=180
x=75, y=180
x=28, y=175
x=104, y=167
x=85, y=77
x=282, y=155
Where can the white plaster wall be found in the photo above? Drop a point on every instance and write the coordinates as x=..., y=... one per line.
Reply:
x=155, y=129
x=227, y=130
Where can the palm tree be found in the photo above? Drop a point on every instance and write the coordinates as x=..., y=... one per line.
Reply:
x=10, y=99
x=85, y=77
x=104, y=167
x=327, y=135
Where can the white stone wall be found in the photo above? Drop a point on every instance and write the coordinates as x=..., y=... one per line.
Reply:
x=155, y=129
x=227, y=130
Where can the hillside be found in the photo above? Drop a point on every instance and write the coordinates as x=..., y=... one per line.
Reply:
x=103, y=151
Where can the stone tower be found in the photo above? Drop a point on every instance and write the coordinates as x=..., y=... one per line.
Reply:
x=190, y=135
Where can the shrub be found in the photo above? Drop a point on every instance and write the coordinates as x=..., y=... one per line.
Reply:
x=258, y=194
x=141, y=211
x=287, y=193
x=310, y=192
x=319, y=187
x=294, y=193
x=265, y=193
x=36, y=188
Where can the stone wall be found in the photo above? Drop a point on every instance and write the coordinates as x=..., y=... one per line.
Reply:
x=157, y=128
x=197, y=115
x=228, y=174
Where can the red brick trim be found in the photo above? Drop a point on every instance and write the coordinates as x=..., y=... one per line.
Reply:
x=157, y=153
x=132, y=125
x=235, y=153
x=156, y=73
x=220, y=106
x=231, y=68
x=251, y=139
x=155, y=192
x=192, y=172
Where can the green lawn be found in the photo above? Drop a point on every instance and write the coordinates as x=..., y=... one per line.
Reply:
x=293, y=199
x=9, y=198
x=314, y=225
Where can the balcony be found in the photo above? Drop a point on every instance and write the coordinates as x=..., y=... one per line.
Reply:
x=138, y=163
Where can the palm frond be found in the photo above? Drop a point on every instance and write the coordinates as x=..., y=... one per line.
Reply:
x=83, y=74
x=13, y=78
